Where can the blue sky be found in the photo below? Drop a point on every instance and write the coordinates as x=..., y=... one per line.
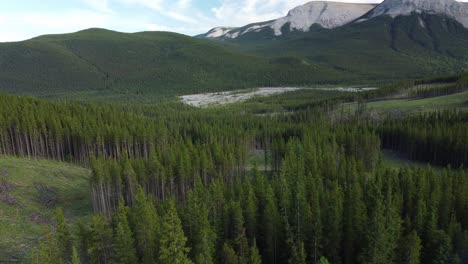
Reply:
x=23, y=19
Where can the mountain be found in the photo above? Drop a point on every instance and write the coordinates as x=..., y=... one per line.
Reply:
x=393, y=39
x=330, y=15
x=302, y=18
x=451, y=8
x=98, y=61
x=398, y=39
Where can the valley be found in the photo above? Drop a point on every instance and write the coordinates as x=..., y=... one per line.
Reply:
x=331, y=133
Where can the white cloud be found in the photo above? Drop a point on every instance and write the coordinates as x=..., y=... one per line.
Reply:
x=184, y=16
x=184, y=4
x=99, y=5
x=153, y=4
x=237, y=13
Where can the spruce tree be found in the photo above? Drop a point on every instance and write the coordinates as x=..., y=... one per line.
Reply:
x=255, y=257
x=63, y=237
x=146, y=227
x=172, y=241
x=124, y=244
x=201, y=236
x=229, y=256
x=411, y=249
x=323, y=260
x=75, y=259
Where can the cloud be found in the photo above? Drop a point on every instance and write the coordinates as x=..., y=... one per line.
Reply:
x=99, y=5
x=153, y=4
x=237, y=13
x=184, y=16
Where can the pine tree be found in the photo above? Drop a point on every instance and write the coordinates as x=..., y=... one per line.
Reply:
x=75, y=259
x=124, y=244
x=298, y=254
x=47, y=251
x=255, y=257
x=201, y=236
x=229, y=256
x=412, y=249
x=239, y=238
x=63, y=237
x=99, y=240
x=271, y=227
x=172, y=241
x=146, y=227
x=323, y=260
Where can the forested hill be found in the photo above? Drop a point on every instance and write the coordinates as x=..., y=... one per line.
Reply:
x=142, y=63
x=98, y=61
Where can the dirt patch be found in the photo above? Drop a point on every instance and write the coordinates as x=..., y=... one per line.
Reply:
x=5, y=186
x=38, y=218
x=47, y=195
x=8, y=199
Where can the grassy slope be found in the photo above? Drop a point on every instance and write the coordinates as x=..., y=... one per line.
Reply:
x=395, y=160
x=27, y=220
x=403, y=106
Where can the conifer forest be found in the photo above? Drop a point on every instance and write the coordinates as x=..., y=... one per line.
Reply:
x=173, y=184
x=336, y=134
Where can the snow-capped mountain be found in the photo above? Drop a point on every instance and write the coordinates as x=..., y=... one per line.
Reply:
x=450, y=8
x=325, y=14
x=218, y=32
x=333, y=14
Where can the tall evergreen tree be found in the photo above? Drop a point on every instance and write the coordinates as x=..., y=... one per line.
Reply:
x=63, y=237
x=411, y=253
x=229, y=256
x=172, y=241
x=75, y=259
x=146, y=227
x=255, y=257
x=124, y=244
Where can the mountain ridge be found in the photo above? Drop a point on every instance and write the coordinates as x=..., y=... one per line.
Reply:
x=326, y=14
x=451, y=8
x=330, y=15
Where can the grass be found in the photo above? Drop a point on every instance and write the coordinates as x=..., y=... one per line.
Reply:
x=28, y=218
x=403, y=106
x=395, y=160
x=285, y=103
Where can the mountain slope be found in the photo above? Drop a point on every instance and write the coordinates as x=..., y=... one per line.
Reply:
x=142, y=63
x=451, y=8
x=302, y=18
x=397, y=38
x=382, y=47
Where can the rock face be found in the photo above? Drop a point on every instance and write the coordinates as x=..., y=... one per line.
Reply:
x=325, y=14
x=333, y=14
x=217, y=32
x=450, y=8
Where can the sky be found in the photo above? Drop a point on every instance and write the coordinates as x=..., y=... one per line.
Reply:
x=24, y=19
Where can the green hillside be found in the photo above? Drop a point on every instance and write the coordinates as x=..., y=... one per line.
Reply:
x=143, y=63
x=30, y=190
x=382, y=48
x=98, y=63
